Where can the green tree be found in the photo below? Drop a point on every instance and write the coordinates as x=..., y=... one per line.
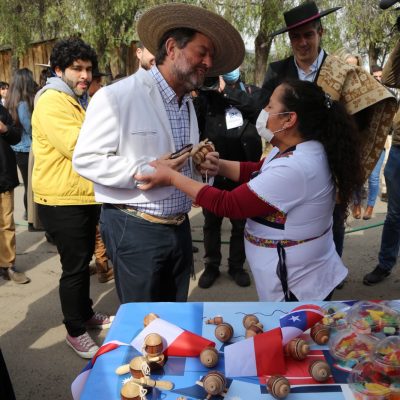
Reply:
x=367, y=29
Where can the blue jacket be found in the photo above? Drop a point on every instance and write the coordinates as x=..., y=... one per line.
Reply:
x=24, y=116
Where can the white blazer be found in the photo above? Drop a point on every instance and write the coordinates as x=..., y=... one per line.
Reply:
x=126, y=126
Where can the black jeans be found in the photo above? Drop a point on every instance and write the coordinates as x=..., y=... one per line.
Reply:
x=23, y=162
x=212, y=241
x=73, y=229
x=152, y=262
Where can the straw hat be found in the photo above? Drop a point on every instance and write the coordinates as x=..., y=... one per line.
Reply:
x=301, y=15
x=228, y=44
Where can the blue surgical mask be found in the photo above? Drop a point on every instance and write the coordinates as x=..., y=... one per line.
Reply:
x=232, y=77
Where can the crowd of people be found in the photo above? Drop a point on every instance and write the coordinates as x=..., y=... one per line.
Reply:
x=108, y=178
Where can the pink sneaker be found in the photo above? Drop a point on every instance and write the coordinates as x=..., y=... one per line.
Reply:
x=82, y=345
x=99, y=321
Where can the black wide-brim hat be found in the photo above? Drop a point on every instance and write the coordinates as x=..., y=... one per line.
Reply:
x=229, y=48
x=301, y=15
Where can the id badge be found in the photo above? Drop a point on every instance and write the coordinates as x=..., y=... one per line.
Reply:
x=233, y=117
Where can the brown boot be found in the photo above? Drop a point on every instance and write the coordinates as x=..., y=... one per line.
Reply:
x=356, y=211
x=368, y=212
x=104, y=272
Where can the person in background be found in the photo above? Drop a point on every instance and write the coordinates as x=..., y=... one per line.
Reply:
x=10, y=134
x=97, y=82
x=19, y=103
x=146, y=59
x=287, y=198
x=3, y=92
x=376, y=72
x=66, y=204
x=390, y=240
x=373, y=179
x=235, y=138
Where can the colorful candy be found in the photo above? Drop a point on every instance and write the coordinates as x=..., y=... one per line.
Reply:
x=374, y=318
x=349, y=345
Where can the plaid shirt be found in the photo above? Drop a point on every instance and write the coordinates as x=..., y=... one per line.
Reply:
x=178, y=116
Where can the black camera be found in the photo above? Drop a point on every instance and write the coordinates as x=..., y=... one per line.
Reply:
x=211, y=83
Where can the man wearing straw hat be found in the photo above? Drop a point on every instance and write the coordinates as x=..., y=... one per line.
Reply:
x=144, y=117
x=372, y=106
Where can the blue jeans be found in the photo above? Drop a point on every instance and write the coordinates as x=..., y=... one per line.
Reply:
x=373, y=183
x=390, y=241
x=152, y=262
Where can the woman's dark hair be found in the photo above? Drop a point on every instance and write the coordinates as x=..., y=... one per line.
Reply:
x=323, y=119
x=45, y=73
x=66, y=51
x=22, y=88
x=182, y=36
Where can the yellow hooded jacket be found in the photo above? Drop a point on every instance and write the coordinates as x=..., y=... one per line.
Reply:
x=56, y=123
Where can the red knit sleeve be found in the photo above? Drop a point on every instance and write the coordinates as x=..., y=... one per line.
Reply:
x=240, y=203
x=247, y=168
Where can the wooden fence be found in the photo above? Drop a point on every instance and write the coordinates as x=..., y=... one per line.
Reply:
x=39, y=53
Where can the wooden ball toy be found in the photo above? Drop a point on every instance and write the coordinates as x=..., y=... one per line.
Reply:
x=132, y=391
x=209, y=357
x=249, y=320
x=149, y=318
x=214, y=383
x=297, y=349
x=153, y=344
x=254, y=330
x=278, y=386
x=215, y=321
x=319, y=370
x=200, y=151
x=139, y=367
x=320, y=334
x=224, y=332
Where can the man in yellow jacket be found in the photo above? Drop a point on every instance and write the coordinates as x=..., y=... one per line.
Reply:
x=66, y=203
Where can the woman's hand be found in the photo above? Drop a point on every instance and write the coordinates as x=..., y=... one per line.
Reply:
x=164, y=169
x=210, y=166
x=175, y=163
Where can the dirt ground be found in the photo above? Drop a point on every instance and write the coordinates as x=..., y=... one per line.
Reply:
x=32, y=336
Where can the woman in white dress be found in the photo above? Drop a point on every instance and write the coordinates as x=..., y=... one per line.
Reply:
x=287, y=198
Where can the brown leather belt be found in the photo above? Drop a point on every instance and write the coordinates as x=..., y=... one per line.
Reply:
x=172, y=220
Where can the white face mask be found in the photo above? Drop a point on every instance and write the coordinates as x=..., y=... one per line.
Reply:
x=261, y=125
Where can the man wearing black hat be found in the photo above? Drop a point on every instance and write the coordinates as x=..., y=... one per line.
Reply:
x=342, y=82
x=149, y=116
x=305, y=32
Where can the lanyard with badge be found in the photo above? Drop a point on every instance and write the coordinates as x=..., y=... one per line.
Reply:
x=233, y=118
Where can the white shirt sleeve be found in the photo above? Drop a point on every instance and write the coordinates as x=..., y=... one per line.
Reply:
x=280, y=183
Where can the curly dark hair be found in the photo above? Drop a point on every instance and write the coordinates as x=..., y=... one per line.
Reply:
x=323, y=119
x=66, y=51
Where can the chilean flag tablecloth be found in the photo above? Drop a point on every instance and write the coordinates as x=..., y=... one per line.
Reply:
x=104, y=384
x=177, y=342
x=263, y=354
